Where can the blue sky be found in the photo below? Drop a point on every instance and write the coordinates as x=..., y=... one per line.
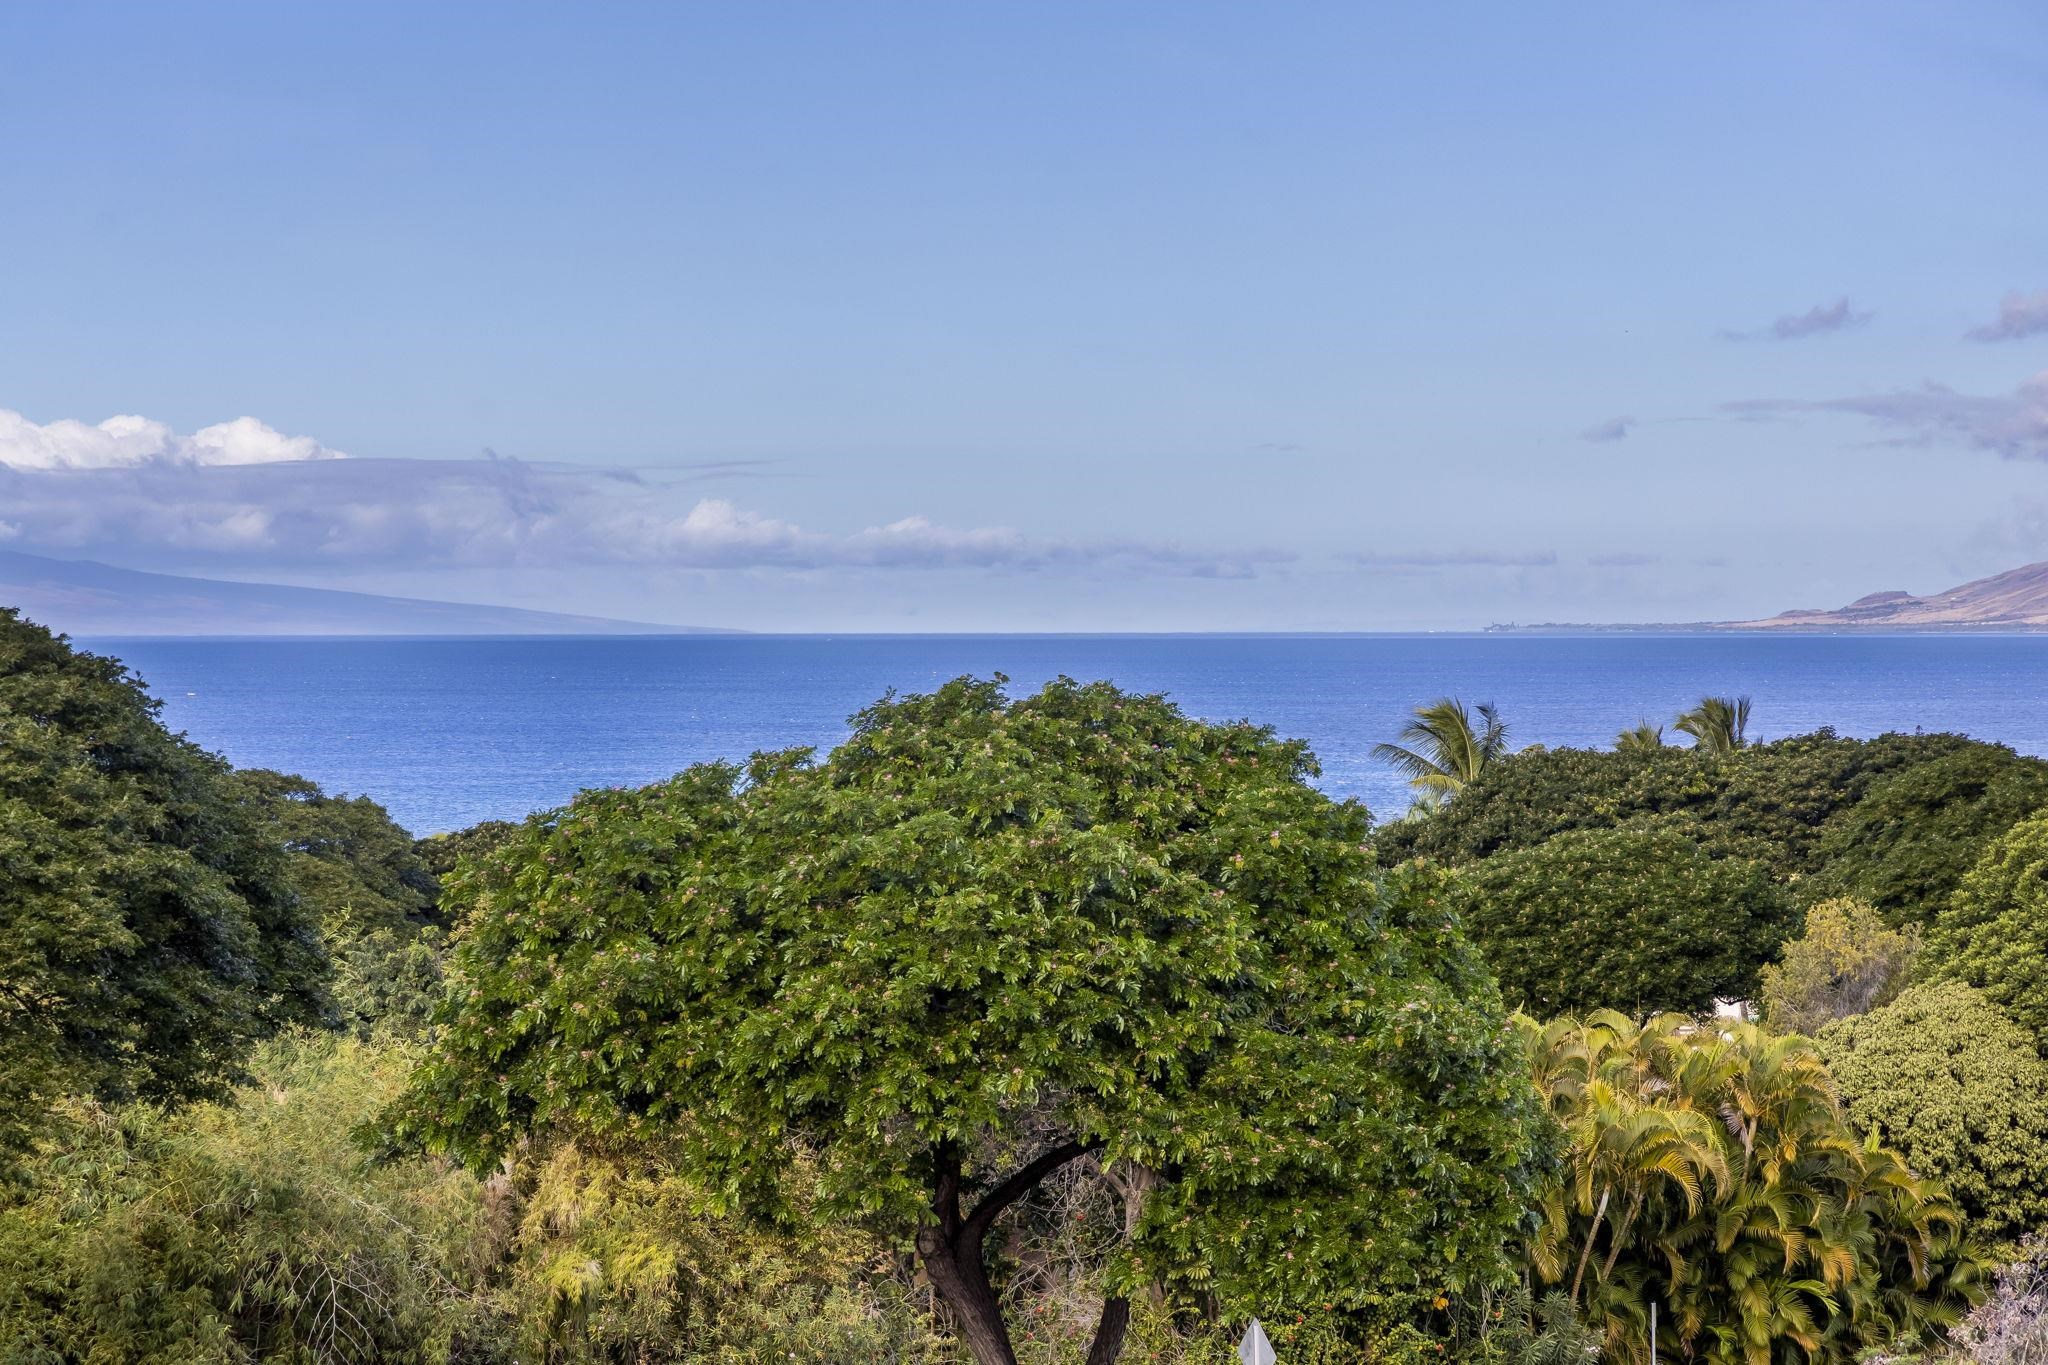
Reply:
x=939, y=316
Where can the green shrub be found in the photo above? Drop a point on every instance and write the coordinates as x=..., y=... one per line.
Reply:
x=1994, y=932
x=1712, y=1173
x=1640, y=919
x=1943, y=1076
x=1846, y=961
x=244, y=1229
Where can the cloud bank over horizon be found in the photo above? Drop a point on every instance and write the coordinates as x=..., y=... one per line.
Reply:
x=242, y=494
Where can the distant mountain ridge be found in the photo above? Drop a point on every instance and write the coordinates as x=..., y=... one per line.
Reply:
x=80, y=597
x=2015, y=600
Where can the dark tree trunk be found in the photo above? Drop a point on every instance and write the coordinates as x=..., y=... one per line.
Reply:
x=965, y=1288
x=1109, y=1332
x=951, y=1248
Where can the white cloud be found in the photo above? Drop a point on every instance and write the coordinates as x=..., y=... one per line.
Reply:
x=129, y=442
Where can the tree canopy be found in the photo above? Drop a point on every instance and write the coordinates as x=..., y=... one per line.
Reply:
x=364, y=881
x=1994, y=932
x=148, y=929
x=1770, y=801
x=986, y=940
x=1905, y=846
x=1643, y=918
x=1944, y=1077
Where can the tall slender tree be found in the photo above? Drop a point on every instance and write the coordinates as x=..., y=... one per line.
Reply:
x=1442, y=751
x=1717, y=725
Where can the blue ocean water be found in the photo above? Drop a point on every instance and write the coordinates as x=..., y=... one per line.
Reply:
x=446, y=732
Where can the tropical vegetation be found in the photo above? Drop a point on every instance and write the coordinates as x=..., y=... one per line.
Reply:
x=148, y=928
x=1993, y=933
x=986, y=942
x=1043, y=1029
x=1713, y=1174
x=1646, y=919
x=1443, y=751
x=1956, y=1087
x=1846, y=961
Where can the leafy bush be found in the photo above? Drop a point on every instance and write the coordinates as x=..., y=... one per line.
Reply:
x=1846, y=961
x=147, y=928
x=255, y=1228
x=1994, y=932
x=1907, y=844
x=1640, y=918
x=237, y=1230
x=1944, y=1077
x=1713, y=1173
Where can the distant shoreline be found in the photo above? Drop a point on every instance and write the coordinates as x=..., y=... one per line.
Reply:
x=1790, y=628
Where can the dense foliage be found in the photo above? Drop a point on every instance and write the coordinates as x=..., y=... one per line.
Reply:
x=981, y=942
x=1957, y=1088
x=1769, y=801
x=148, y=930
x=1905, y=846
x=1845, y=961
x=1713, y=1174
x=1994, y=932
x=1642, y=919
x=253, y=1229
x=373, y=895
x=1020, y=1030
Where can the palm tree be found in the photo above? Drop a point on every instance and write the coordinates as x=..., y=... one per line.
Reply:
x=1709, y=1170
x=1442, y=752
x=1716, y=724
x=1643, y=736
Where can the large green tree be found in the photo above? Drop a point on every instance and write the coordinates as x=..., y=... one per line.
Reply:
x=1994, y=932
x=1952, y=1083
x=986, y=941
x=1643, y=918
x=148, y=930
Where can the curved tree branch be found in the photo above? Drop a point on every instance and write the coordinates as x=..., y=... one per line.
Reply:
x=976, y=1224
